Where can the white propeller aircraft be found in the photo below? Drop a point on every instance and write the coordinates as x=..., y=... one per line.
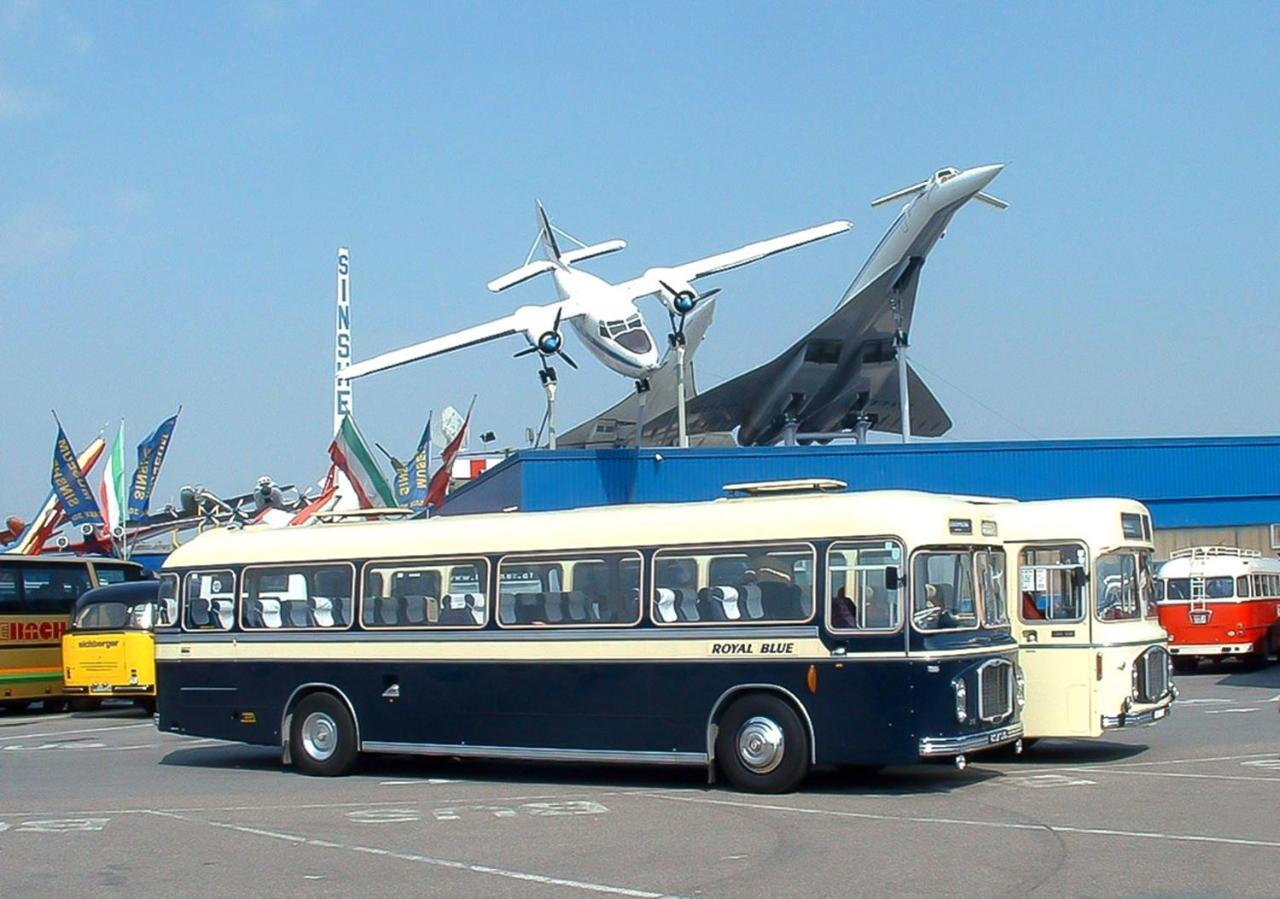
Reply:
x=604, y=315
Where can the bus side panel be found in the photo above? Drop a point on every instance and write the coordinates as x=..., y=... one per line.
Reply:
x=860, y=712
x=31, y=656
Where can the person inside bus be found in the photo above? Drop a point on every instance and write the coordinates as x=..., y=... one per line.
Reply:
x=844, y=611
x=1031, y=610
x=935, y=615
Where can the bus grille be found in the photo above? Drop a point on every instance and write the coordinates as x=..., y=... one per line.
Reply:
x=995, y=690
x=1153, y=674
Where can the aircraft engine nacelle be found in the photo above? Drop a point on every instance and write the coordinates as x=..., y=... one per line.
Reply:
x=677, y=295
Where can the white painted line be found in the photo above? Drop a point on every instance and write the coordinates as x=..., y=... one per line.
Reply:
x=1184, y=774
x=1182, y=702
x=428, y=781
x=87, y=730
x=1229, y=711
x=1116, y=765
x=507, y=873
x=965, y=822
x=1275, y=698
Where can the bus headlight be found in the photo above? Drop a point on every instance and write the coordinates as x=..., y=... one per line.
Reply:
x=1019, y=687
x=962, y=700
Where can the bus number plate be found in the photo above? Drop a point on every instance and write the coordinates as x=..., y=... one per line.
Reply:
x=1201, y=616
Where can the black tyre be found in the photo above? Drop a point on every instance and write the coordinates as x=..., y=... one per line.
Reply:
x=1185, y=664
x=147, y=704
x=84, y=705
x=54, y=705
x=15, y=706
x=322, y=736
x=762, y=746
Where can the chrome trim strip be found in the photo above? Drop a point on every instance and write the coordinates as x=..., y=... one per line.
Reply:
x=549, y=633
x=774, y=688
x=538, y=753
x=931, y=747
x=1136, y=719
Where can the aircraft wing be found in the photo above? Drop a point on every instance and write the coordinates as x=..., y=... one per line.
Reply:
x=527, y=320
x=651, y=281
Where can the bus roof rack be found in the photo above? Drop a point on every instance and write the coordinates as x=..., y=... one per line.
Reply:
x=798, y=485
x=1204, y=552
x=337, y=515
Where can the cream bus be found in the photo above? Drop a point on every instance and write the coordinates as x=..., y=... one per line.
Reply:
x=1090, y=643
x=756, y=635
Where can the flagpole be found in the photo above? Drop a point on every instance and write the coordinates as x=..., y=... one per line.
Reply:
x=124, y=512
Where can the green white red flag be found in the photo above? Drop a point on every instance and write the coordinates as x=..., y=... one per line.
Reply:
x=352, y=455
x=113, y=492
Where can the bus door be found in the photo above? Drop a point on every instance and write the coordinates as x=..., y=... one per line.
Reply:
x=1055, y=638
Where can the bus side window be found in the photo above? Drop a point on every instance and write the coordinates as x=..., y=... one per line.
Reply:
x=53, y=589
x=8, y=590
x=294, y=597
x=167, y=601
x=1242, y=586
x=209, y=601
x=746, y=584
x=860, y=597
x=588, y=590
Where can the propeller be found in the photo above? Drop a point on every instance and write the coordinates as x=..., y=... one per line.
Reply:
x=550, y=343
x=682, y=303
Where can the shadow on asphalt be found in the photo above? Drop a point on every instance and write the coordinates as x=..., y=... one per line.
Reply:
x=1075, y=752
x=919, y=779
x=1240, y=676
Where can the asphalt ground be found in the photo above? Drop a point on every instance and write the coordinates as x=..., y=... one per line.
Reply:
x=100, y=803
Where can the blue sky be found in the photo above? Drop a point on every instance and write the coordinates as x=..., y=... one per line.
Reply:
x=176, y=178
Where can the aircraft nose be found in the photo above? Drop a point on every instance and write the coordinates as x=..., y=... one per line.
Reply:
x=977, y=178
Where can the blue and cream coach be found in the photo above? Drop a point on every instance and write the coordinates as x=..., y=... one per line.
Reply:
x=787, y=626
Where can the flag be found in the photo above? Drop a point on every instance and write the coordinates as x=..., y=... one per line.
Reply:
x=440, y=480
x=50, y=515
x=400, y=476
x=73, y=491
x=351, y=454
x=321, y=502
x=112, y=492
x=151, y=454
x=420, y=471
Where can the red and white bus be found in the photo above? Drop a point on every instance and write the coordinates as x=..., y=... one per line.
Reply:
x=1219, y=601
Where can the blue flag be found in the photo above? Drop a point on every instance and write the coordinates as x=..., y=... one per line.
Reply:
x=420, y=471
x=150, y=457
x=69, y=484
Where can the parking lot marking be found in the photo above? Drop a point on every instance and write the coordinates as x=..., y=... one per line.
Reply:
x=1228, y=711
x=966, y=822
x=1184, y=774
x=507, y=873
x=87, y=730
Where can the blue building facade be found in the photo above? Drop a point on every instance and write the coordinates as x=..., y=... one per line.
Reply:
x=1187, y=482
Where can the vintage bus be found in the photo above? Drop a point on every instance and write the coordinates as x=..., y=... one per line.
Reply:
x=757, y=635
x=37, y=594
x=109, y=649
x=1089, y=642
x=1220, y=601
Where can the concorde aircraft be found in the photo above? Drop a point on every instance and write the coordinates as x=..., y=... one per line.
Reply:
x=839, y=376
x=604, y=315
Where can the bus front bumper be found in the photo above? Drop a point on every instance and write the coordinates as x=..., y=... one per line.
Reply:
x=934, y=747
x=1138, y=719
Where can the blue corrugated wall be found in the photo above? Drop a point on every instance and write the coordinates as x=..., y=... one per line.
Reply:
x=1187, y=482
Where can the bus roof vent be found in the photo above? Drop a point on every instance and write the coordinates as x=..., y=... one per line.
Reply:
x=798, y=485
x=1204, y=552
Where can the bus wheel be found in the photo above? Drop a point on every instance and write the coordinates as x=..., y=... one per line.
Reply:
x=322, y=736
x=15, y=706
x=148, y=704
x=1185, y=664
x=84, y=705
x=762, y=746
x=54, y=705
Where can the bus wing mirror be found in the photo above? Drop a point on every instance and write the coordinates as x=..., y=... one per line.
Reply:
x=891, y=578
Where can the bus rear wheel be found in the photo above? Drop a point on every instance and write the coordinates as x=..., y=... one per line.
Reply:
x=15, y=706
x=322, y=736
x=762, y=745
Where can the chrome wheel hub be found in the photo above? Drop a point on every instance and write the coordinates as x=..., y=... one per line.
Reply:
x=760, y=744
x=319, y=736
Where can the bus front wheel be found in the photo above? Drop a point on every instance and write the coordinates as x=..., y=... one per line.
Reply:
x=762, y=745
x=322, y=736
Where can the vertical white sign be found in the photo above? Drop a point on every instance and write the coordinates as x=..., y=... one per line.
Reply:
x=342, y=401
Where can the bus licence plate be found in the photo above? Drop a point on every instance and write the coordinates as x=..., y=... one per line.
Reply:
x=1200, y=617
x=998, y=737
